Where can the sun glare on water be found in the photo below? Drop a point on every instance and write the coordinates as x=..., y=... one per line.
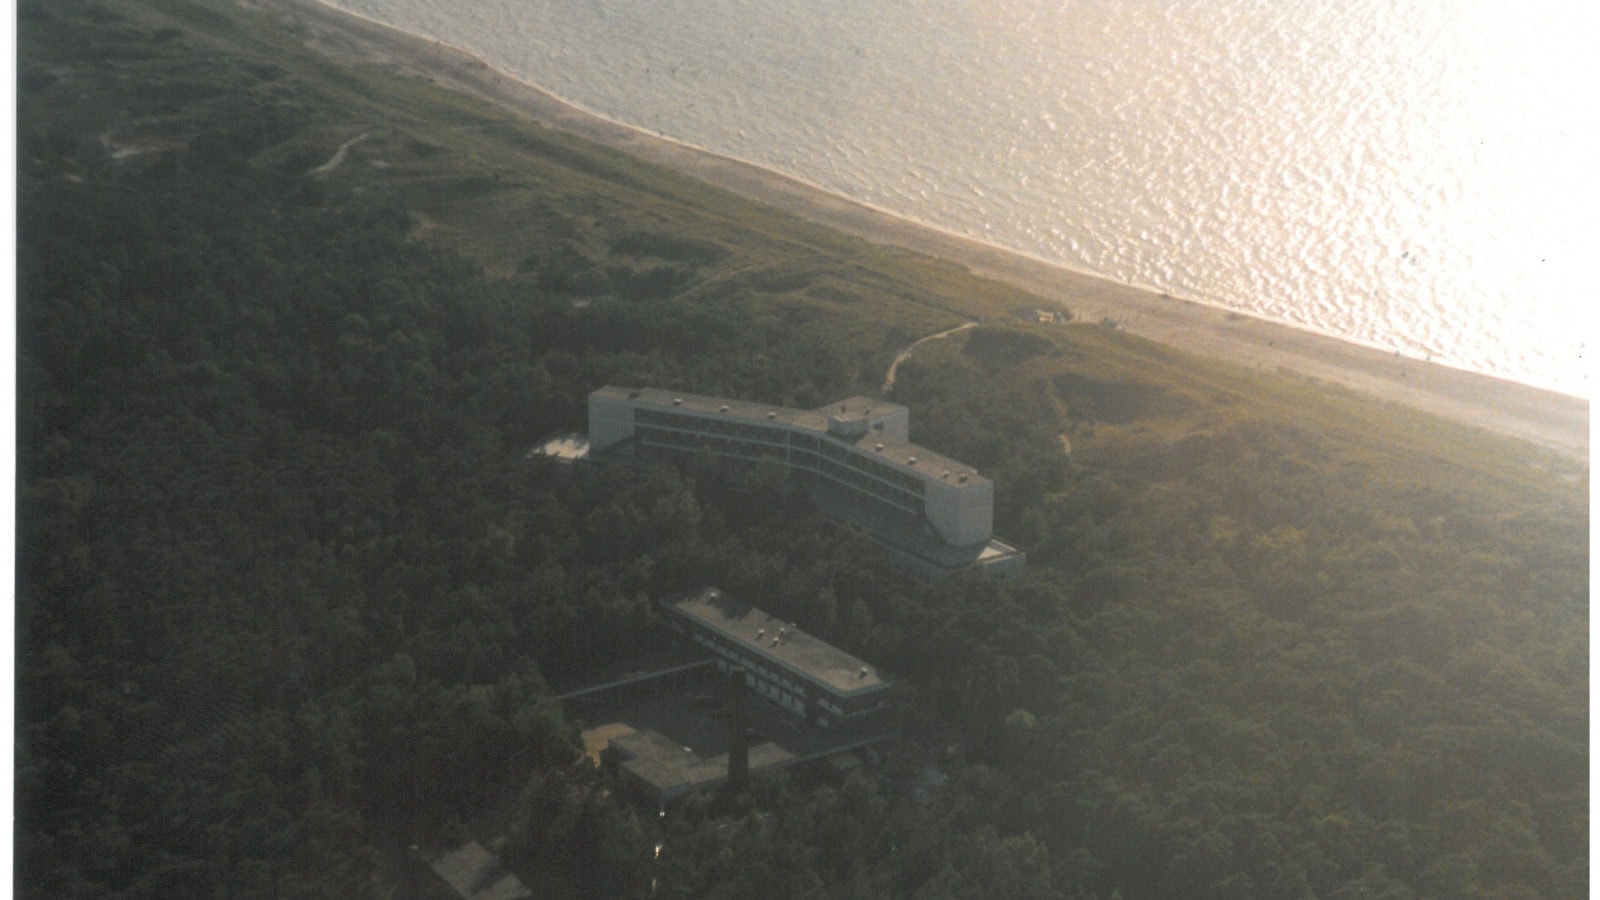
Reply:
x=1408, y=174
x=1521, y=161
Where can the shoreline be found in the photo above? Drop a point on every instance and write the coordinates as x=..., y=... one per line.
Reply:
x=1553, y=420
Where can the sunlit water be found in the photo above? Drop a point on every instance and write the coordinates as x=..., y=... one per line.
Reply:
x=1404, y=173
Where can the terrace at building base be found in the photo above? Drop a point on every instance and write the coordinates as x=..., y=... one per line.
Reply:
x=658, y=770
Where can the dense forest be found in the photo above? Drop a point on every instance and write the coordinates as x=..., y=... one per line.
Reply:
x=291, y=590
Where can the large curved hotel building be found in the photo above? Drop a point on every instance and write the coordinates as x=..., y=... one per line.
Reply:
x=854, y=457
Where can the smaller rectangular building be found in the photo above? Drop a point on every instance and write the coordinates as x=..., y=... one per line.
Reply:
x=804, y=675
x=475, y=874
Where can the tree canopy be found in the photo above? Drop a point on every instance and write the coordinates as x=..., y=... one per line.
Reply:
x=292, y=593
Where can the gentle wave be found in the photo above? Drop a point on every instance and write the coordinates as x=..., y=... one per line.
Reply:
x=1399, y=174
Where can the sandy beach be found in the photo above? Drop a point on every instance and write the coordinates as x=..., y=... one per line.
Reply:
x=1553, y=420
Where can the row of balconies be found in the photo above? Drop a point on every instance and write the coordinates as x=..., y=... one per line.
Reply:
x=745, y=430
x=865, y=476
x=779, y=436
x=754, y=667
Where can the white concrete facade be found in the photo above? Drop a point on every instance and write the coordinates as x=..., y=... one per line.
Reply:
x=610, y=420
x=961, y=514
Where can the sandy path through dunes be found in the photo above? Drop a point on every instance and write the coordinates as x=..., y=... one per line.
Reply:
x=1545, y=417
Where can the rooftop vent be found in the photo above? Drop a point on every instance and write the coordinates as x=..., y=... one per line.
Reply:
x=911, y=460
x=772, y=415
x=633, y=395
x=760, y=633
x=677, y=401
x=945, y=474
x=862, y=673
x=878, y=447
x=723, y=408
x=963, y=478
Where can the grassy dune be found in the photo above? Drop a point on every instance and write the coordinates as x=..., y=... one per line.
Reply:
x=523, y=200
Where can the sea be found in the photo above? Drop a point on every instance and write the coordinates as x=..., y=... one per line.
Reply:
x=1407, y=174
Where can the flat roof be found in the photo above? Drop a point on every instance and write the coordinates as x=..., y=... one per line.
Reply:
x=918, y=460
x=475, y=874
x=996, y=550
x=669, y=766
x=759, y=632
x=900, y=454
x=859, y=408
x=699, y=403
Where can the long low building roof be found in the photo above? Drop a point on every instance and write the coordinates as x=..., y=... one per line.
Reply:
x=739, y=409
x=901, y=454
x=673, y=769
x=764, y=635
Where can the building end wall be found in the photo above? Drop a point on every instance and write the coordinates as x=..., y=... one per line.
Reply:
x=610, y=420
x=962, y=514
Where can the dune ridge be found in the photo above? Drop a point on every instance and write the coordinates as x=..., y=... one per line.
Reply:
x=1556, y=421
